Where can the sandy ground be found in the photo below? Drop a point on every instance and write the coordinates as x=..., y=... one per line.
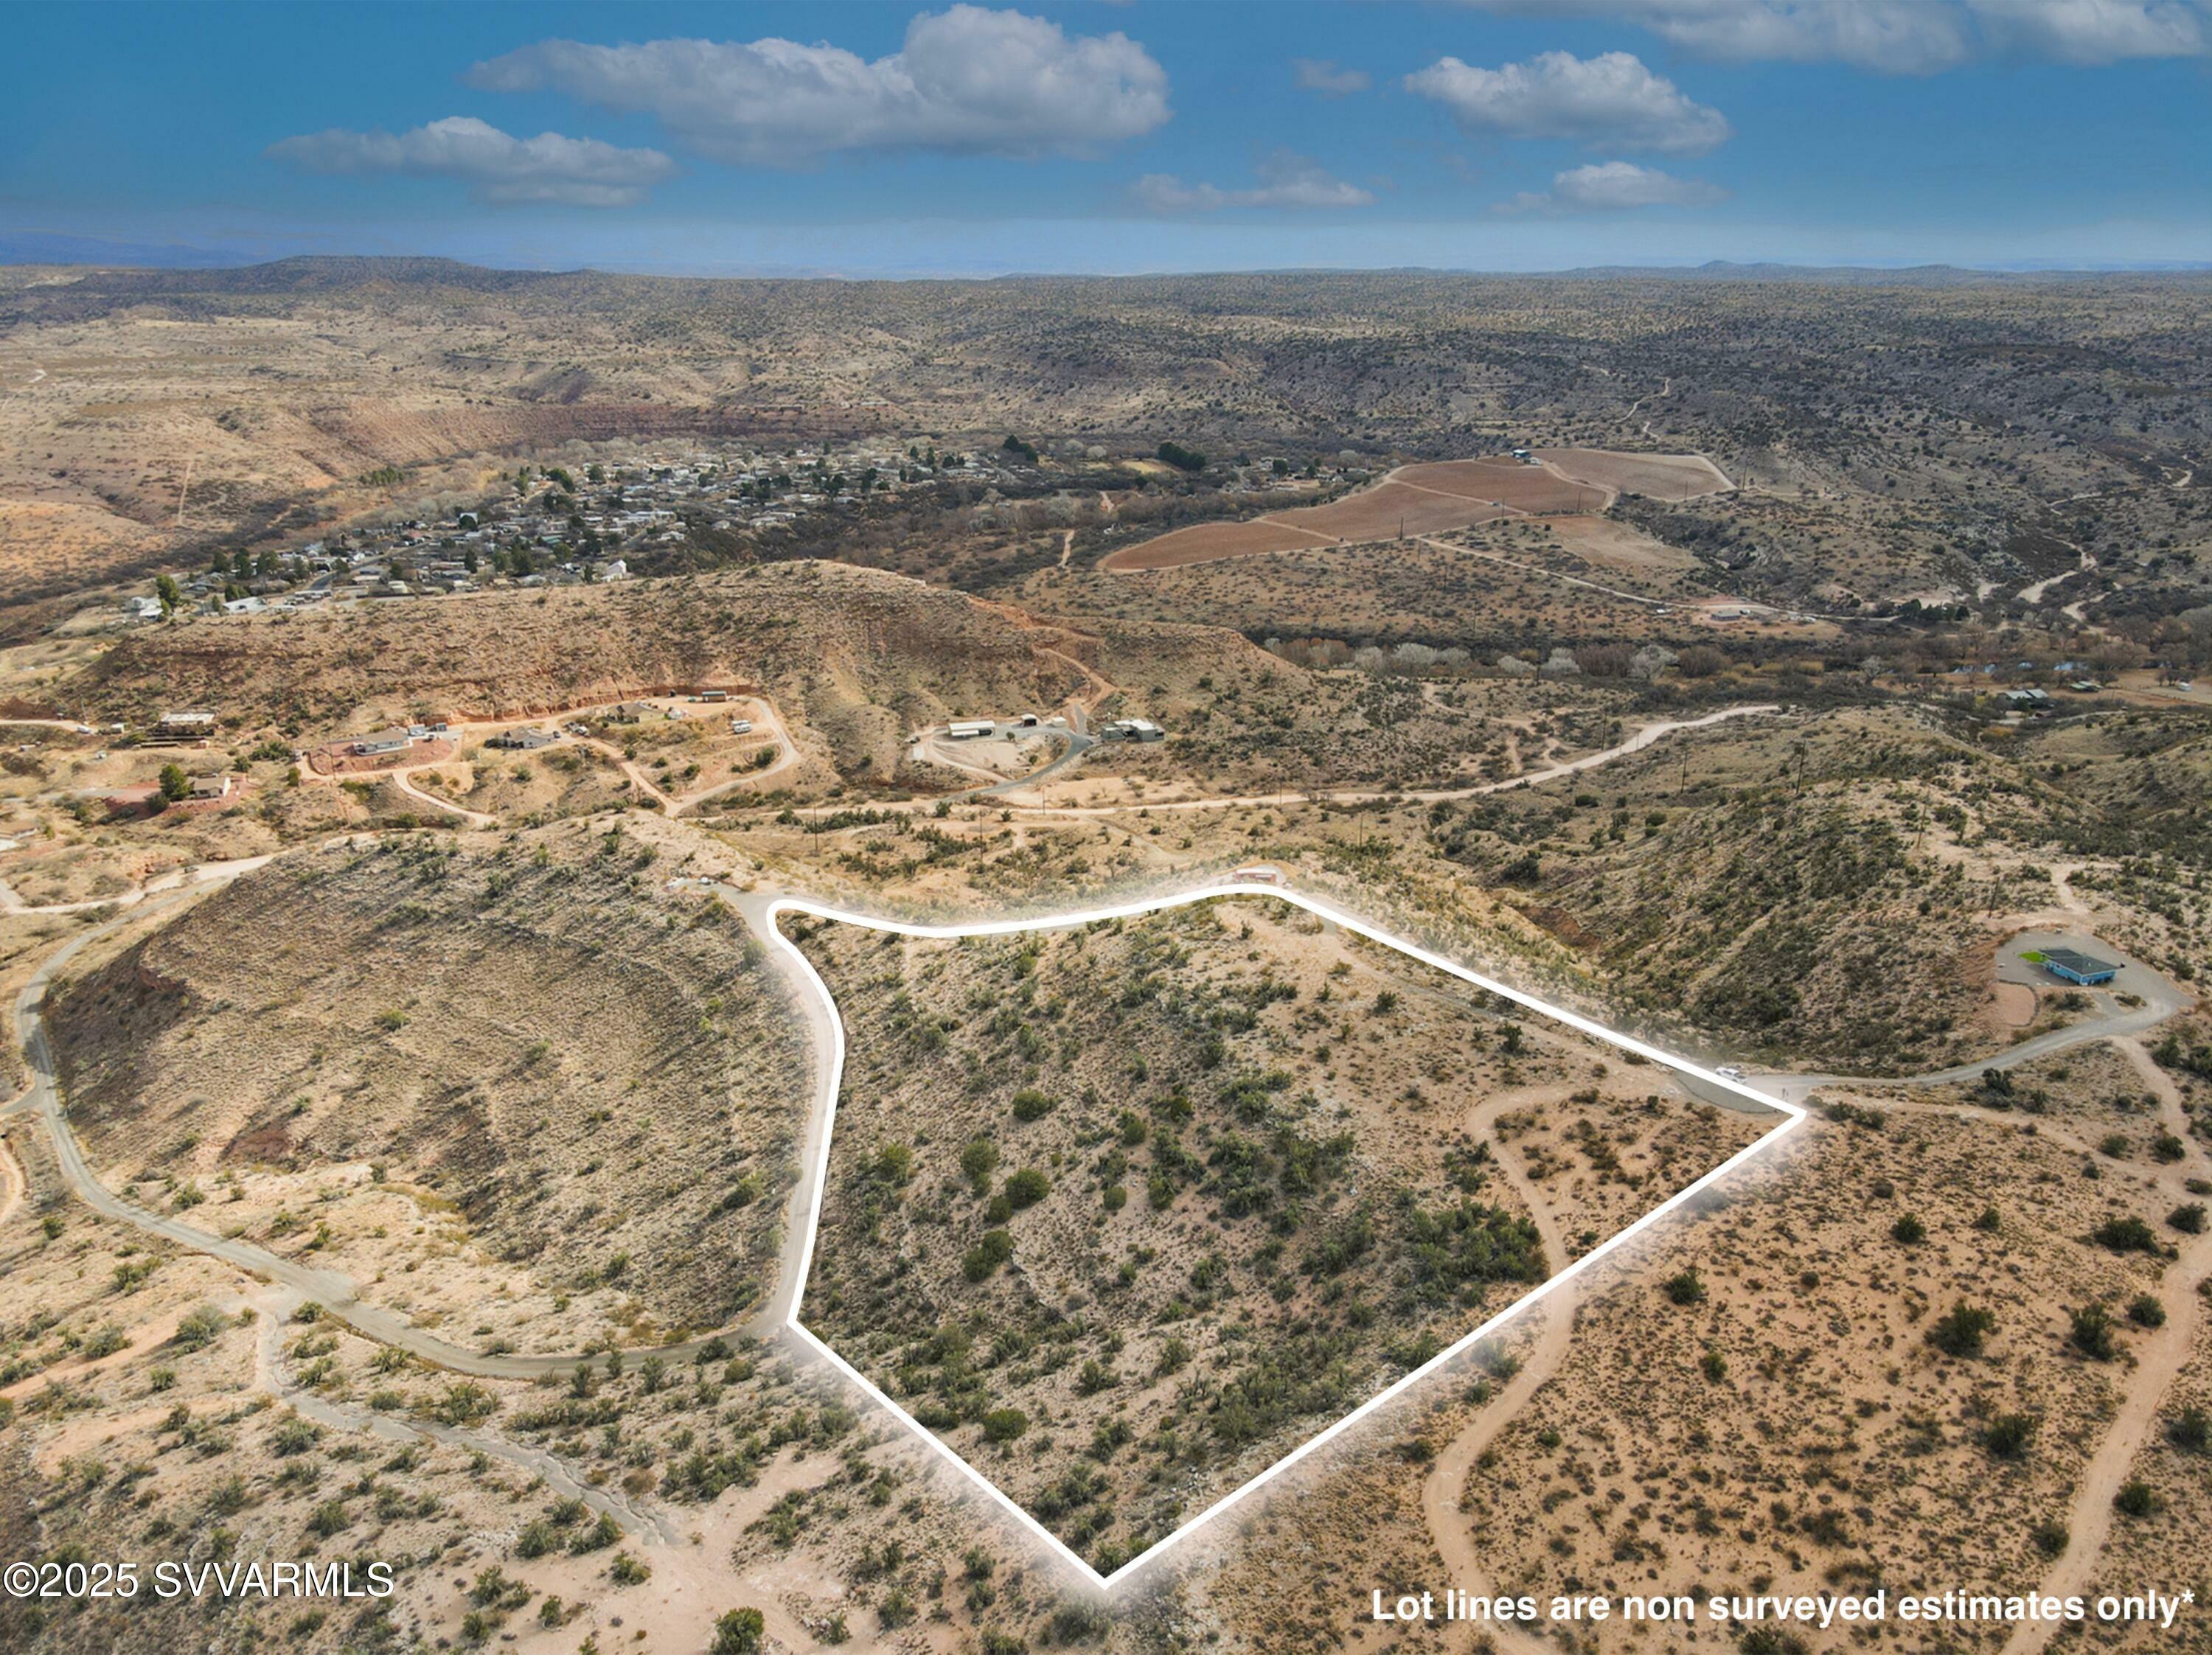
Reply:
x=1663, y=476
x=1429, y=497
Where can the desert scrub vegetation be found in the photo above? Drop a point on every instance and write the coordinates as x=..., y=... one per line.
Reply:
x=552, y=1076
x=1124, y=1211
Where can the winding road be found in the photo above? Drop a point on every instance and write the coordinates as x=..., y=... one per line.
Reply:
x=2159, y=1357
x=776, y=1318
x=1646, y=737
x=334, y=1290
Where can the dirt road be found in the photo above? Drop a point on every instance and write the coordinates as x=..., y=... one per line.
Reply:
x=2159, y=1358
x=1444, y=1492
x=1646, y=737
x=335, y=1291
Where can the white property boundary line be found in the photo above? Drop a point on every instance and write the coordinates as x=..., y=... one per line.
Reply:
x=1790, y=1112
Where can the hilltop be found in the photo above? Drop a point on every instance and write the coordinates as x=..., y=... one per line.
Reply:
x=859, y=656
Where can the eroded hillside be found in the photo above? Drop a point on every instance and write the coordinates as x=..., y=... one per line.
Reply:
x=498, y=1086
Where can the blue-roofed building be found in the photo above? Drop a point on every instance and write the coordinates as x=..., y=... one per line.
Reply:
x=2083, y=968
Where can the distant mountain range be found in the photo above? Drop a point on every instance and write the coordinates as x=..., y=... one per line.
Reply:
x=296, y=272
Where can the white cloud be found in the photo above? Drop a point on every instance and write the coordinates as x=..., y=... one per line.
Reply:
x=497, y=167
x=1611, y=100
x=1905, y=37
x=2095, y=31
x=1613, y=187
x=967, y=80
x=1322, y=75
x=1287, y=180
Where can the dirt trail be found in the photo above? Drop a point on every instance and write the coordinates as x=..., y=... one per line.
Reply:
x=2160, y=1357
x=400, y=778
x=161, y=884
x=1548, y=574
x=1667, y=390
x=1646, y=737
x=787, y=757
x=17, y=1183
x=1443, y=1495
x=2034, y=592
x=336, y=1291
x=273, y=1374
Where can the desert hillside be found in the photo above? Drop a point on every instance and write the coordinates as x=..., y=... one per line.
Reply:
x=861, y=658
x=1126, y=1213
x=561, y=1091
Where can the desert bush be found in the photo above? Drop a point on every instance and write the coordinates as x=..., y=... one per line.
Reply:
x=199, y=1329
x=1685, y=1288
x=740, y=1631
x=2007, y=1435
x=2129, y=1235
x=2090, y=1333
x=1962, y=1330
x=2136, y=1499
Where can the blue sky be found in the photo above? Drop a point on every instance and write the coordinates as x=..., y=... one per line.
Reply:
x=864, y=138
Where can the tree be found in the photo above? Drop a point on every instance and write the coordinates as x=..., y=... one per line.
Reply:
x=165, y=588
x=175, y=784
x=740, y=1631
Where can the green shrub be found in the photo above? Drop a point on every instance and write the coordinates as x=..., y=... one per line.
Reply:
x=979, y=1161
x=2007, y=1435
x=2136, y=1499
x=199, y=1328
x=2092, y=1334
x=740, y=1631
x=1963, y=1331
x=995, y=1247
x=2129, y=1235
